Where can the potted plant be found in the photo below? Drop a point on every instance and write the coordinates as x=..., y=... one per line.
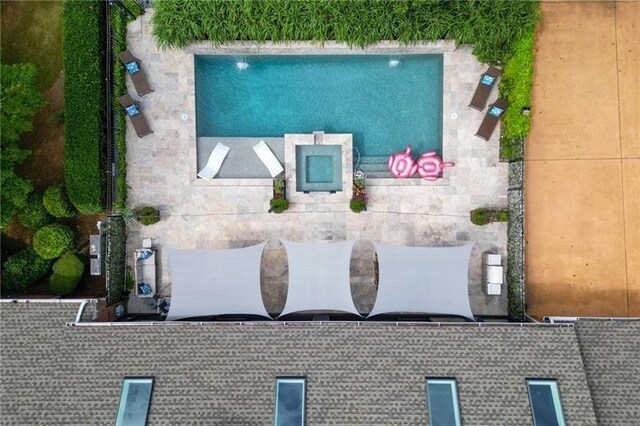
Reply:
x=279, y=203
x=358, y=201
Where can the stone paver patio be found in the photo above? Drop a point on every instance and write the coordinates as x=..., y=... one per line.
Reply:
x=161, y=171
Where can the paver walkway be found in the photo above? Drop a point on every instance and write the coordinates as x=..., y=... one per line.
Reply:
x=583, y=162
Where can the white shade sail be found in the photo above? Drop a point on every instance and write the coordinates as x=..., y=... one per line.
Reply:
x=216, y=282
x=319, y=277
x=423, y=280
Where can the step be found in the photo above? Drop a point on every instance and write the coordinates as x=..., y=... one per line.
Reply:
x=374, y=167
x=373, y=159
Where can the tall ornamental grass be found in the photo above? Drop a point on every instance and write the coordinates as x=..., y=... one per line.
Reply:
x=490, y=25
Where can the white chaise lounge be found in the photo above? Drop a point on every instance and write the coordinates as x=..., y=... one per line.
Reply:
x=214, y=163
x=268, y=159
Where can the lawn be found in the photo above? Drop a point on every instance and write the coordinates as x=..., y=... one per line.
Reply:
x=31, y=32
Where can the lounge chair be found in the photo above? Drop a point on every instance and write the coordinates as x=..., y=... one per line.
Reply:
x=481, y=95
x=214, y=163
x=138, y=120
x=268, y=159
x=491, y=119
x=134, y=69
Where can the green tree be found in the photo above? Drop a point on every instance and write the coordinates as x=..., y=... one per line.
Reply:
x=19, y=102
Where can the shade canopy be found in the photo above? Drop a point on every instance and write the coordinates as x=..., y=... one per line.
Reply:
x=216, y=282
x=423, y=280
x=319, y=277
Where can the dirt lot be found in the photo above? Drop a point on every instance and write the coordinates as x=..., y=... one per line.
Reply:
x=583, y=162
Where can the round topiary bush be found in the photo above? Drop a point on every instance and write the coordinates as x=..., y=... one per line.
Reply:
x=57, y=202
x=52, y=240
x=22, y=270
x=481, y=216
x=278, y=205
x=148, y=215
x=34, y=215
x=67, y=272
x=358, y=205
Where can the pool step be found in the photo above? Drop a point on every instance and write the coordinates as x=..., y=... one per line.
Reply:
x=375, y=167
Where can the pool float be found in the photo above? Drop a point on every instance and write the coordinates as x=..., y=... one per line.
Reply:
x=430, y=166
x=402, y=165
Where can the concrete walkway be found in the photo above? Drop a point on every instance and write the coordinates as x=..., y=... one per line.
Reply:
x=583, y=162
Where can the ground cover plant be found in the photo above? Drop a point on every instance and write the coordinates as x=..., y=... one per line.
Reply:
x=83, y=24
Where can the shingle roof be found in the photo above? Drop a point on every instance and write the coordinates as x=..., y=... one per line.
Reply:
x=223, y=373
x=611, y=355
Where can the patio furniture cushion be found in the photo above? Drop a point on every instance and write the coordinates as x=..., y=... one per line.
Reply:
x=132, y=110
x=487, y=79
x=132, y=67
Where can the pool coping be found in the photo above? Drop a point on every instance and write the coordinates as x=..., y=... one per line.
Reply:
x=449, y=123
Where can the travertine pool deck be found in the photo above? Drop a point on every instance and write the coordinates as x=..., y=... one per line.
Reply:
x=161, y=171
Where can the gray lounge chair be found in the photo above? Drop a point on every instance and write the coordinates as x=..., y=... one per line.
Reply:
x=486, y=83
x=138, y=120
x=134, y=69
x=491, y=118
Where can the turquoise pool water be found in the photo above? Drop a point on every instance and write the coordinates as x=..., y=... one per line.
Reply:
x=386, y=101
x=318, y=168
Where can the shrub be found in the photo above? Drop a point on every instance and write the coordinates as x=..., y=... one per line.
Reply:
x=148, y=215
x=57, y=202
x=515, y=86
x=67, y=272
x=484, y=216
x=34, y=215
x=51, y=241
x=23, y=270
x=278, y=205
x=491, y=25
x=20, y=102
x=357, y=205
x=83, y=28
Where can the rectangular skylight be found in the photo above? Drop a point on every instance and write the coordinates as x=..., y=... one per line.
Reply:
x=546, y=407
x=290, y=400
x=443, y=407
x=135, y=397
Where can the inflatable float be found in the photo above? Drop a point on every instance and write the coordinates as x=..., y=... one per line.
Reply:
x=430, y=166
x=402, y=165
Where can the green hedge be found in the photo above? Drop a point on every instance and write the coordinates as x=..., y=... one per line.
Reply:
x=34, y=215
x=491, y=25
x=119, y=34
x=22, y=270
x=67, y=272
x=52, y=241
x=515, y=86
x=83, y=40
x=116, y=259
x=57, y=202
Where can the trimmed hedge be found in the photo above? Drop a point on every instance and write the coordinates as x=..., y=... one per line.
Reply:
x=83, y=33
x=57, y=202
x=52, y=241
x=119, y=34
x=34, y=215
x=23, y=270
x=116, y=259
x=491, y=25
x=67, y=272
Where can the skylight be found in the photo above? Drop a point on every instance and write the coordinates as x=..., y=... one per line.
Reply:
x=290, y=399
x=442, y=397
x=546, y=407
x=135, y=397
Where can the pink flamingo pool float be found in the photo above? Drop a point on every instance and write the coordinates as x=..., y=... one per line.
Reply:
x=429, y=166
x=402, y=165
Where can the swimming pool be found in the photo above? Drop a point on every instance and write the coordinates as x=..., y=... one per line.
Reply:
x=385, y=101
